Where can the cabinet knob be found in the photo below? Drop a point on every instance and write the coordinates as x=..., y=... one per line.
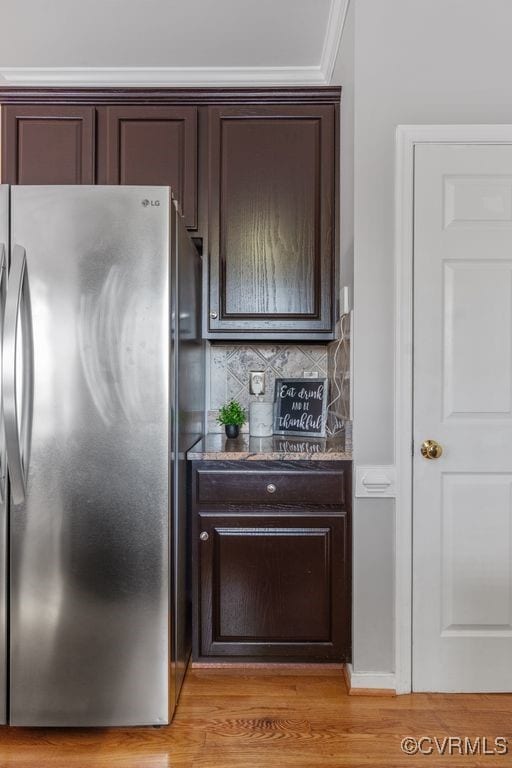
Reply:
x=214, y=315
x=271, y=488
x=204, y=536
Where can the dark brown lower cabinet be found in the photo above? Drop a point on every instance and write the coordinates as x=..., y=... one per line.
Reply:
x=272, y=582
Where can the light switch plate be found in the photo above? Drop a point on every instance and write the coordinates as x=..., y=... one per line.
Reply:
x=346, y=300
x=375, y=482
x=257, y=382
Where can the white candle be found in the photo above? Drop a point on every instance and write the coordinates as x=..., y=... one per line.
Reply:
x=261, y=417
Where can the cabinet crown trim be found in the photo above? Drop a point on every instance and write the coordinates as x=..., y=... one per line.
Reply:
x=170, y=96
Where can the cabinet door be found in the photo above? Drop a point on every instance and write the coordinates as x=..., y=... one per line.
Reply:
x=272, y=185
x=47, y=144
x=151, y=146
x=274, y=586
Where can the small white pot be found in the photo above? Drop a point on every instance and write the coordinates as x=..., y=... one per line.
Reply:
x=261, y=419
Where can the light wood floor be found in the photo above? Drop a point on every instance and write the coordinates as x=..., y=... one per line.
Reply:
x=264, y=719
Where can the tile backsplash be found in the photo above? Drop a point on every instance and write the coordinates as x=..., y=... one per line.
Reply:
x=230, y=366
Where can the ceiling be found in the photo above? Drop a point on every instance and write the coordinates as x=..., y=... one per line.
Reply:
x=169, y=42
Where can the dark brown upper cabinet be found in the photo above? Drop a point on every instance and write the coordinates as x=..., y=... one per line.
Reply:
x=150, y=145
x=44, y=144
x=255, y=172
x=272, y=215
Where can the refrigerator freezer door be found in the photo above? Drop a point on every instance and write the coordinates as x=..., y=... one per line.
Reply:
x=4, y=250
x=89, y=595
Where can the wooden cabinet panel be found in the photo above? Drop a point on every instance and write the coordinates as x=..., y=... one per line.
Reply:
x=151, y=146
x=271, y=228
x=270, y=487
x=273, y=586
x=47, y=145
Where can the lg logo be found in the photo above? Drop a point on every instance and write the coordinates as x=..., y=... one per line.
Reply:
x=147, y=202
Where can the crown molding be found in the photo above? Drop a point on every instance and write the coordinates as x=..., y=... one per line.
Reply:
x=334, y=31
x=148, y=77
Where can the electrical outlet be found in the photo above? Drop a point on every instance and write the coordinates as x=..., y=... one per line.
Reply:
x=257, y=382
x=310, y=374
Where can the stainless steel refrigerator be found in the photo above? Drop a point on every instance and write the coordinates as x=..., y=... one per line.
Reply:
x=102, y=394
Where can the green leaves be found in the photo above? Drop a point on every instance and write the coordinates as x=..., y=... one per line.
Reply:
x=232, y=413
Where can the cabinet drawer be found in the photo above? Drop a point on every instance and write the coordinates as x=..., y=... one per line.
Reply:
x=271, y=487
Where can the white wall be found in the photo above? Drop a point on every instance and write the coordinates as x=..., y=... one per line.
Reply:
x=415, y=61
x=344, y=73
x=160, y=33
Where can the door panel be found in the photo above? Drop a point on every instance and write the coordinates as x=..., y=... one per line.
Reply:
x=48, y=145
x=89, y=544
x=274, y=586
x=465, y=284
x=151, y=145
x=476, y=586
x=271, y=219
x=462, y=601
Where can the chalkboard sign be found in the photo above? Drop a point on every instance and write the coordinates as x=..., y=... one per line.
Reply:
x=300, y=406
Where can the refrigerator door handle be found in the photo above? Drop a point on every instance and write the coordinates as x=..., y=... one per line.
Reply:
x=3, y=282
x=17, y=433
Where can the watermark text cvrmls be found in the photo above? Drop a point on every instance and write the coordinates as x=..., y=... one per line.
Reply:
x=454, y=745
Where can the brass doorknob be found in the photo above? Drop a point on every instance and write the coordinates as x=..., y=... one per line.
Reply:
x=430, y=449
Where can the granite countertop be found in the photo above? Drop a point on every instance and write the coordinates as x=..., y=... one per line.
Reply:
x=278, y=447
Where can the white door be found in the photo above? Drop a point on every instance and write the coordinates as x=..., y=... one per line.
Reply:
x=462, y=547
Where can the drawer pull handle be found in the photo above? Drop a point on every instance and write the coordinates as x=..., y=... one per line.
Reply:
x=271, y=488
x=204, y=536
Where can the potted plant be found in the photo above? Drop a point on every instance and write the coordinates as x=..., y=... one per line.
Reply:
x=232, y=416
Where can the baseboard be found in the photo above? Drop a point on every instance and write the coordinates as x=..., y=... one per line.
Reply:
x=291, y=666
x=369, y=683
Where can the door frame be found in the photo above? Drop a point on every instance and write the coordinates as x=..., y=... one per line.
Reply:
x=407, y=137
